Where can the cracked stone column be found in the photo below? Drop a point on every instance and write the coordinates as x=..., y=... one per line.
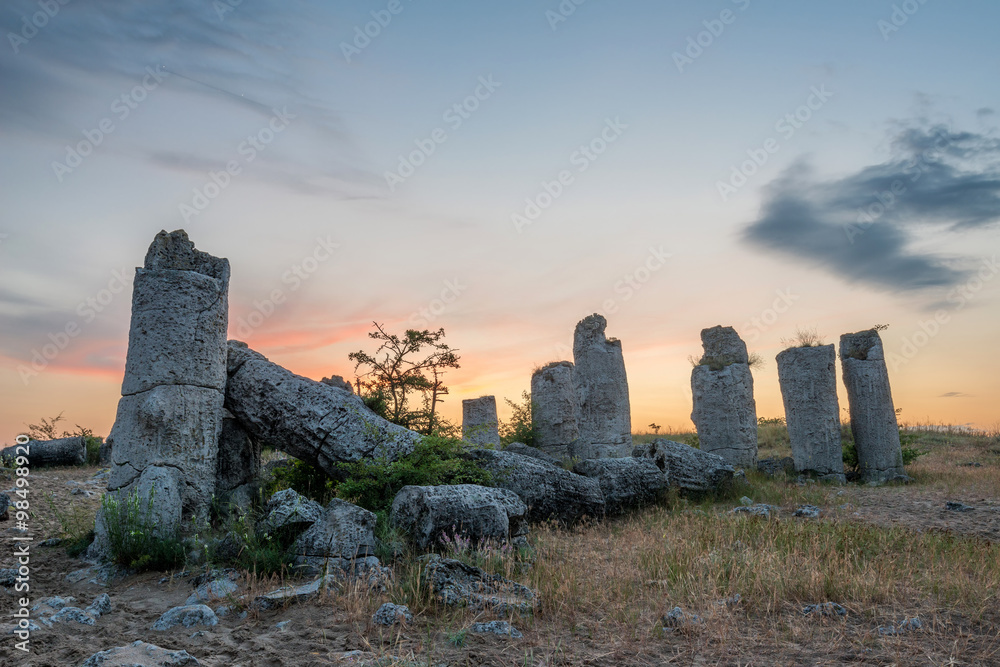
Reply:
x=479, y=421
x=873, y=417
x=808, y=379
x=553, y=412
x=725, y=413
x=169, y=420
x=603, y=415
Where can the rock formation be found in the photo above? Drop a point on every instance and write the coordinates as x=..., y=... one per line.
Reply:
x=553, y=398
x=725, y=413
x=626, y=483
x=603, y=417
x=429, y=513
x=60, y=452
x=873, y=417
x=695, y=473
x=479, y=421
x=808, y=379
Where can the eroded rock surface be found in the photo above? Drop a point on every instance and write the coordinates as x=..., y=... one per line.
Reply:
x=603, y=414
x=428, y=513
x=554, y=408
x=479, y=421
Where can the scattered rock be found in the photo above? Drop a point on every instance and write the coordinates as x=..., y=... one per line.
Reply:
x=140, y=654
x=288, y=510
x=553, y=398
x=746, y=501
x=281, y=626
x=626, y=482
x=824, y=609
x=478, y=513
x=757, y=509
x=775, y=467
x=285, y=595
x=678, y=618
x=958, y=507
x=807, y=511
x=499, y=628
x=390, y=614
x=187, y=616
x=693, y=472
x=729, y=602
x=603, y=415
x=971, y=464
x=51, y=542
x=216, y=589
x=100, y=606
x=343, y=538
x=8, y=577
x=906, y=625
x=72, y=615
x=479, y=421
x=456, y=583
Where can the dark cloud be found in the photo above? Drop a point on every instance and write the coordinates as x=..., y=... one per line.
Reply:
x=954, y=394
x=860, y=226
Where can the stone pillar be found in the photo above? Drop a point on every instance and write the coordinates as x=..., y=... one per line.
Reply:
x=808, y=379
x=873, y=417
x=725, y=413
x=166, y=431
x=237, y=466
x=479, y=421
x=553, y=398
x=603, y=416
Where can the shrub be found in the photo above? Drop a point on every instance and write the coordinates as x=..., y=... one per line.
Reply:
x=134, y=539
x=373, y=483
x=850, y=451
x=520, y=427
x=305, y=479
x=803, y=338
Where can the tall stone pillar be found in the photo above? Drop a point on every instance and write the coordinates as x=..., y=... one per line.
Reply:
x=479, y=421
x=553, y=399
x=604, y=418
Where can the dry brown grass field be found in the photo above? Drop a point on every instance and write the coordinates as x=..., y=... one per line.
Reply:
x=884, y=554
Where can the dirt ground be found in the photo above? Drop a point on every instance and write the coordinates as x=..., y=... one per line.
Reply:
x=338, y=630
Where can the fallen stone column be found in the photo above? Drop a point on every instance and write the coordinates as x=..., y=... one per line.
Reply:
x=808, y=379
x=603, y=415
x=479, y=421
x=315, y=422
x=725, y=413
x=553, y=413
x=873, y=417
x=59, y=452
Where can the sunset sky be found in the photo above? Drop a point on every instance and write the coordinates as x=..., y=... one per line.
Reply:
x=502, y=170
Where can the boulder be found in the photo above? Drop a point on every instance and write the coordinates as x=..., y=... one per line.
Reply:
x=693, y=472
x=287, y=595
x=873, y=417
x=456, y=583
x=315, y=422
x=723, y=346
x=498, y=628
x=479, y=421
x=548, y=492
x=603, y=415
x=390, y=614
x=725, y=413
x=60, y=452
x=343, y=538
x=427, y=513
x=287, y=510
x=533, y=452
x=808, y=379
x=553, y=412
x=187, y=616
x=140, y=654
x=626, y=483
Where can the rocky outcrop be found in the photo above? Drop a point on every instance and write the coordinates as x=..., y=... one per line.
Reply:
x=140, y=653
x=289, y=511
x=693, y=472
x=533, y=452
x=429, y=513
x=315, y=422
x=553, y=408
x=873, y=417
x=626, y=483
x=548, y=492
x=603, y=415
x=342, y=539
x=59, y=452
x=808, y=379
x=456, y=583
x=479, y=421
x=725, y=413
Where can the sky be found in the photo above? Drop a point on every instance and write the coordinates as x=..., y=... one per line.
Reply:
x=502, y=170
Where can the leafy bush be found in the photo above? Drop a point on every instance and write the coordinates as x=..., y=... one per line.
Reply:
x=373, y=483
x=520, y=427
x=134, y=538
x=764, y=421
x=305, y=479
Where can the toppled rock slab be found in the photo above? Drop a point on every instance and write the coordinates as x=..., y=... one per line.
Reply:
x=693, y=472
x=456, y=583
x=626, y=483
x=430, y=513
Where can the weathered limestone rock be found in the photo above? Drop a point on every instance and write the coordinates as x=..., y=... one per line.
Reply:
x=237, y=465
x=339, y=382
x=288, y=510
x=188, y=616
x=873, y=417
x=548, y=492
x=59, y=452
x=626, y=483
x=693, y=472
x=170, y=413
x=533, y=452
x=553, y=397
x=725, y=413
x=310, y=420
x=479, y=421
x=456, y=583
x=287, y=595
x=140, y=653
x=427, y=513
x=603, y=415
x=342, y=539
x=390, y=614
x=808, y=379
